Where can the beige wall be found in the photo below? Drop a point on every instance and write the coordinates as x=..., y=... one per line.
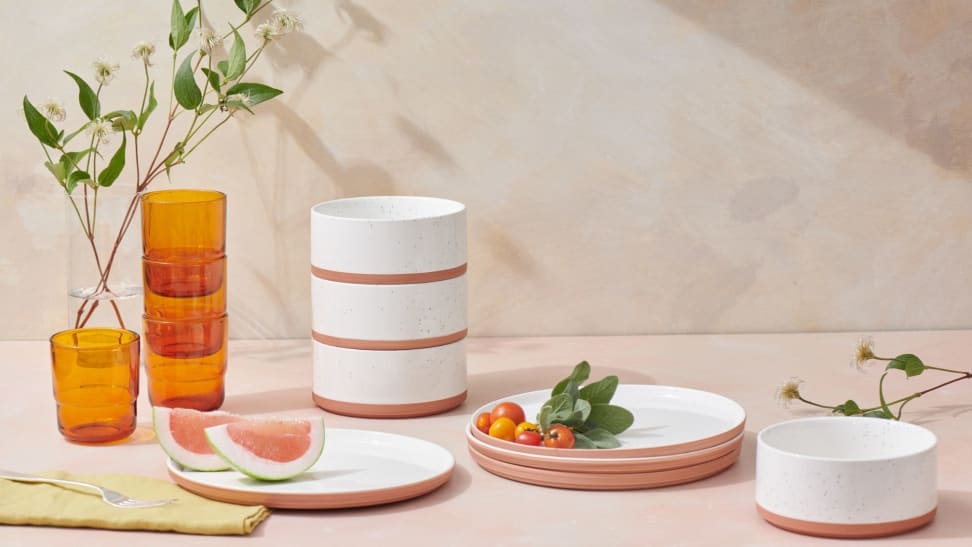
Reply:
x=629, y=166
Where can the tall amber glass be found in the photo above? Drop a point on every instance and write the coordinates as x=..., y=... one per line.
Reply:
x=95, y=374
x=182, y=225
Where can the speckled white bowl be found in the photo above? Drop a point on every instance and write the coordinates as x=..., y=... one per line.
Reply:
x=390, y=384
x=359, y=315
x=848, y=477
x=388, y=235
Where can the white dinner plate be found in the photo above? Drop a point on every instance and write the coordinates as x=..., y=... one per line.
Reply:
x=667, y=420
x=356, y=469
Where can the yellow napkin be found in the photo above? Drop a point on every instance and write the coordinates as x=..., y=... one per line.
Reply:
x=56, y=505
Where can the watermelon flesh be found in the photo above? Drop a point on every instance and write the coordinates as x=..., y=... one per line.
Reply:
x=269, y=450
x=181, y=433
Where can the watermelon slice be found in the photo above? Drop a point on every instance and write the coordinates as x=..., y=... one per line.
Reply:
x=180, y=432
x=269, y=450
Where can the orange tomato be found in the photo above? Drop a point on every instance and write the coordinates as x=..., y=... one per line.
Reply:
x=503, y=428
x=526, y=426
x=483, y=422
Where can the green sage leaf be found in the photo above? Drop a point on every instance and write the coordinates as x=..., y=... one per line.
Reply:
x=108, y=175
x=909, y=363
x=602, y=438
x=87, y=98
x=186, y=91
x=237, y=57
x=600, y=391
x=179, y=29
x=213, y=78
x=581, y=372
x=543, y=418
x=584, y=408
x=75, y=178
x=254, y=93
x=39, y=125
x=613, y=418
x=149, y=108
x=581, y=441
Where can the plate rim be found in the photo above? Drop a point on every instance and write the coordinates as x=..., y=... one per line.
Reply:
x=663, y=450
x=318, y=500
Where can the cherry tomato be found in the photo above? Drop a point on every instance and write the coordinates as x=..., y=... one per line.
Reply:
x=483, y=422
x=509, y=410
x=503, y=428
x=526, y=426
x=559, y=436
x=530, y=437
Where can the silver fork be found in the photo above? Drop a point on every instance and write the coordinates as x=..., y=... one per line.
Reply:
x=111, y=497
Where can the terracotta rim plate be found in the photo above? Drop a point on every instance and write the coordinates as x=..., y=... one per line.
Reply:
x=668, y=420
x=604, y=481
x=604, y=465
x=358, y=468
x=845, y=530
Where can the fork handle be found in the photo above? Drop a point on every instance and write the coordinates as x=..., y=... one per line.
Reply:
x=20, y=477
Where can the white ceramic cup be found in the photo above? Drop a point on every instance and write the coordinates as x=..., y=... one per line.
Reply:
x=389, y=315
x=846, y=476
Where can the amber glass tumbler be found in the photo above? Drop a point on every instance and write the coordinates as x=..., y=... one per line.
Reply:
x=95, y=373
x=181, y=225
x=185, y=361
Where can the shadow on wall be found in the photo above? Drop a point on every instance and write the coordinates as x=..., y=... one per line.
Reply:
x=904, y=67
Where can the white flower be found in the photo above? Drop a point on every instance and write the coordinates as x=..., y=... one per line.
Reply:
x=101, y=129
x=789, y=391
x=265, y=32
x=105, y=71
x=285, y=22
x=143, y=51
x=54, y=110
x=209, y=40
x=864, y=353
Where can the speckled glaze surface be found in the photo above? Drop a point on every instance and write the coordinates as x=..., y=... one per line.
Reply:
x=846, y=471
x=388, y=235
x=388, y=312
x=389, y=377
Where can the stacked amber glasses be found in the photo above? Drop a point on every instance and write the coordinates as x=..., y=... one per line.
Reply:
x=184, y=270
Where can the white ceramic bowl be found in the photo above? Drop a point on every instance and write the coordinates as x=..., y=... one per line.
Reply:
x=846, y=477
x=388, y=235
x=377, y=316
x=390, y=384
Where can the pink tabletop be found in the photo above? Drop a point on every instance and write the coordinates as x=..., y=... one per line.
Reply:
x=477, y=508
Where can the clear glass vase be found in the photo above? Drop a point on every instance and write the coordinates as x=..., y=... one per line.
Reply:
x=95, y=299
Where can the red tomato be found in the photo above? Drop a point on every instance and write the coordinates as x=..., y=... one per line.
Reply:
x=529, y=437
x=559, y=436
x=503, y=428
x=509, y=410
x=483, y=422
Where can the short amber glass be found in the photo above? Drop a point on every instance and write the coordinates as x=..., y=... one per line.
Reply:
x=185, y=338
x=186, y=382
x=183, y=225
x=95, y=374
x=185, y=279
x=177, y=309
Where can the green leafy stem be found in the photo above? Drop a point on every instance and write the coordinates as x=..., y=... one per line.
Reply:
x=586, y=409
x=223, y=92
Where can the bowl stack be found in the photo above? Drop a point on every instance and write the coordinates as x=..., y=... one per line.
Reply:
x=184, y=275
x=388, y=290
x=679, y=435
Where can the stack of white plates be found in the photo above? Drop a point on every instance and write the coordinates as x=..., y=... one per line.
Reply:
x=679, y=435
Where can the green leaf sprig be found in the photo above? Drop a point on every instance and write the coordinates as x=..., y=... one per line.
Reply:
x=911, y=365
x=586, y=409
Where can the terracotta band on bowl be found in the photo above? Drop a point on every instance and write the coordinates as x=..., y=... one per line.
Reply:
x=384, y=345
x=389, y=410
x=388, y=279
x=845, y=530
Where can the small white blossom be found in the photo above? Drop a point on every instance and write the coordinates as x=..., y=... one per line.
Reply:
x=864, y=353
x=143, y=51
x=284, y=22
x=209, y=40
x=265, y=32
x=105, y=71
x=101, y=129
x=54, y=110
x=789, y=391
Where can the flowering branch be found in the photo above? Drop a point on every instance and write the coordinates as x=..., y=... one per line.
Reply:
x=223, y=94
x=907, y=363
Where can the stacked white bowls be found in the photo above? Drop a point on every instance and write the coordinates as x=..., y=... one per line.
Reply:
x=388, y=294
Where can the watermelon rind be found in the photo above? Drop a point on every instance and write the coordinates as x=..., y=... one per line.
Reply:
x=185, y=458
x=263, y=469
